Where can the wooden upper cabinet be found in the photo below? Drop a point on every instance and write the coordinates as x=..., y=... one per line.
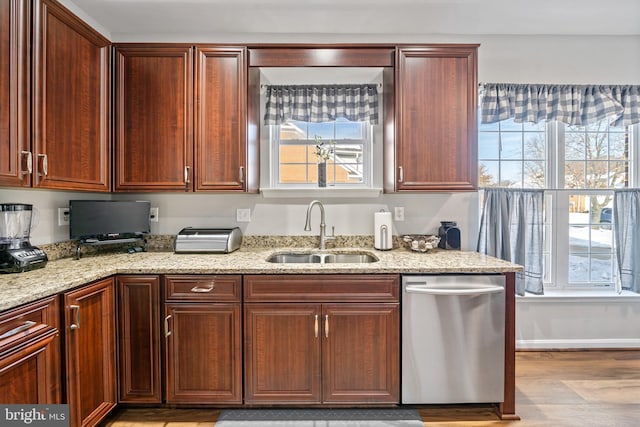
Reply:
x=153, y=118
x=436, y=101
x=221, y=119
x=71, y=103
x=15, y=148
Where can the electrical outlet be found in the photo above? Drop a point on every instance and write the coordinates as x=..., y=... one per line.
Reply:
x=63, y=216
x=153, y=214
x=243, y=215
x=398, y=213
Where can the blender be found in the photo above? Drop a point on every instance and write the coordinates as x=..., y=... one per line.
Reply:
x=16, y=253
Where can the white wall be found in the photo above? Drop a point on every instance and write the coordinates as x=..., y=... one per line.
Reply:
x=540, y=59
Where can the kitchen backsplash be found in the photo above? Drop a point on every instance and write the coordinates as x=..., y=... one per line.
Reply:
x=165, y=243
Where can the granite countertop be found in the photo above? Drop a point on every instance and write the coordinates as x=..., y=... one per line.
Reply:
x=64, y=274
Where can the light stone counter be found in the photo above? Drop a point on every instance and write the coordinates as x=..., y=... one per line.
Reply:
x=64, y=274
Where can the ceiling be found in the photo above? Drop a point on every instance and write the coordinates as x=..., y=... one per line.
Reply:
x=140, y=18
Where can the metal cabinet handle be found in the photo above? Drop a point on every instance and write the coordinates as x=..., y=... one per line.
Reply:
x=400, y=174
x=315, y=326
x=75, y=325
x=29, y=162
x=326, y=326
x=187, y=170
x=242, y=174
x=45, y=164
x=29, y=324
x=167, y=332
x=199, y=289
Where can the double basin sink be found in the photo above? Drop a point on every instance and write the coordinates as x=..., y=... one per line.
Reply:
x=322, y=258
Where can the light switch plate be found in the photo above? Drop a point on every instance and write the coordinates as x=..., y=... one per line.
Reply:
x=398, y=213
x=153, y=214
x=63, y=216
x=243, y=215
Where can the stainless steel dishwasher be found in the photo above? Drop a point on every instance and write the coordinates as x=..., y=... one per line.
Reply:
x=453, y=339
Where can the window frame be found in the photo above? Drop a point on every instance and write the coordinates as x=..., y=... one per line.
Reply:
x=556, y=251
x=367, y=162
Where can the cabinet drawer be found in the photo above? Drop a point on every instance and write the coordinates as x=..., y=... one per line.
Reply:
x=203, y=288
x=322, y=288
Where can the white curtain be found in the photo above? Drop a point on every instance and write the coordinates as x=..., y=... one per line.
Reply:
x=626, y=222
x=511, y=228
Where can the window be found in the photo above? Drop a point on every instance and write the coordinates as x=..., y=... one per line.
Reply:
x=578, y=166
x=293, y=153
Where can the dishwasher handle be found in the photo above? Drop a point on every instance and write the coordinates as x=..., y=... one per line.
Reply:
x=469, y=290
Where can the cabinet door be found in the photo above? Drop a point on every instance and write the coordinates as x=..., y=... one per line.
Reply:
x=139, y=339
x=14, y=93
x=71, y=122
x=204, y=353
x=30, y=366
x=153, y=118
x=436, y=119
x=282, y=353
x=89, y=316
x=360, y=362
x=221, y=119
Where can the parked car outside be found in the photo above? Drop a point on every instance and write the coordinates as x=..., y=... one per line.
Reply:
x=605, y=217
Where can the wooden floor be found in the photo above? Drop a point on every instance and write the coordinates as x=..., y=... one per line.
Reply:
x=554, y=389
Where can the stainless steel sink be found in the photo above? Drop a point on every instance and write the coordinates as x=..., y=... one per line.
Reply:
x=322, y=258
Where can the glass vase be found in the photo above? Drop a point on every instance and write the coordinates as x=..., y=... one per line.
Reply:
x=322, y=174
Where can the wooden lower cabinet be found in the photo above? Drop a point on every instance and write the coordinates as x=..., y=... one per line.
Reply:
x=282, y=353
x=89, y=318
x=30, y=354
x=305, y=352
x=139, y=339
x=360, y=353
x=203, y=336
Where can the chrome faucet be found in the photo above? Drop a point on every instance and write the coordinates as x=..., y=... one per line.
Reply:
x=323, y=235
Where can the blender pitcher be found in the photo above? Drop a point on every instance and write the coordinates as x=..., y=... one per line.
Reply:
x=16, y=253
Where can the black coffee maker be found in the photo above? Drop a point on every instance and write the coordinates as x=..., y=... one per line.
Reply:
x=449, y=234
x=16, y=253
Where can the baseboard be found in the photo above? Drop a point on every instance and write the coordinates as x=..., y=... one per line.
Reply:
x=621, y=343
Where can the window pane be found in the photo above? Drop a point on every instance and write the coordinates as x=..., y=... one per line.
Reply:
x=324, y=130
x=534, y=146
x=618, y=147
x=511, y=146
x=510, y=126
x=590, y=239
x=488, y=145
x=597, y=145
x=349, y=130
x=574, y=174
x=534, y=174
x=293, y=130
x=488, y=173
x=511, y=174
x=294, y=174
x=294, y=153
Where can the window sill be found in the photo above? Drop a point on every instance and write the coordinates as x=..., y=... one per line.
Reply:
x=580, y=295
x=362, y=193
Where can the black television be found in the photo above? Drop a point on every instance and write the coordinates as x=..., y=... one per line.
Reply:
x=102, y=220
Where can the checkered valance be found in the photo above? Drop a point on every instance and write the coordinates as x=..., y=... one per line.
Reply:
x=321, y=103
x=571, y=104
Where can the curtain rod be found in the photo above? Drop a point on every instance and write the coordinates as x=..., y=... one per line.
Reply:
x=379, y=85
